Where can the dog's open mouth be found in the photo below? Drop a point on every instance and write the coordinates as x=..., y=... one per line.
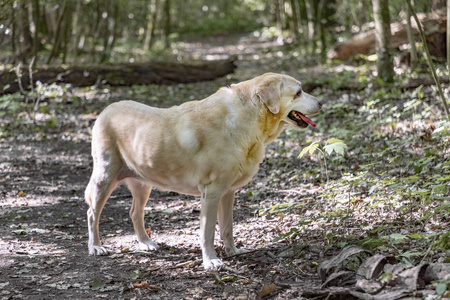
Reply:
x=300, y=119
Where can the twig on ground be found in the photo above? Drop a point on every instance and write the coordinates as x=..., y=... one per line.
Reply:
x=428, y=250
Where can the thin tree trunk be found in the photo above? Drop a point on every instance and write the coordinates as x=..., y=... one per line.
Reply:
x=13, y=30
x=311, y=34
x=36, y=42
x=298, y=17
x=112, y=29
x=167, y=23
x=448, y=36
x=25, y=26
x=97, y=29
x=354, y=16
x=56, y=40
x=412, y=42
x=293, y=21
x=278, y=17
x=323, y=45
x=382, y=37
x=429, y=60
x=151, y=25
x=78, y=31
x=67, y=28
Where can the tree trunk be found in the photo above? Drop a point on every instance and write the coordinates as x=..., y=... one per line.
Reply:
x=36, y=42
x=278, y=17
x=354, y=15
x=25, y=27
x=56, y=40
x=112, y=30
x=67, y=28
x=151, y=25
x=293, y=21
x=311, y=35
x=412, y=41
x=97, y=29
x=448, y=36
x=167, y=23
x=321, y=23
x=13, y=28
x=382, y=18
x=155, y=72
x=298, y=16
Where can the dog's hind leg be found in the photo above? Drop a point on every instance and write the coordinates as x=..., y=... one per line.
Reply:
x=140, y=193
x=100, y=187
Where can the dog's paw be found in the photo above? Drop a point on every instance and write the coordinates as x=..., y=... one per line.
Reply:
x=213, y=264
x=148, y=246
x=98, y=250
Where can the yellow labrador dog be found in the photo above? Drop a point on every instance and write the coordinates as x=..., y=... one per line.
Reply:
x=206, y=148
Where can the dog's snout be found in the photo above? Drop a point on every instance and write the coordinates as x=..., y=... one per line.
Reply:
x=320, y=104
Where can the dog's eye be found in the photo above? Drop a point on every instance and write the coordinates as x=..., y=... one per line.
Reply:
x=299, y=93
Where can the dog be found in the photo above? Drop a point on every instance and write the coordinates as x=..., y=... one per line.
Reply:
x=206, y=148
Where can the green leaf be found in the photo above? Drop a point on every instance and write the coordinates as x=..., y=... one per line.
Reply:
x=311, y=149
x=417, y=236
x=383, y=227
x=441, y=288
x=396, y=238
x=97, y=284
x=337, y=147
x=334, y=140
x=409, y=255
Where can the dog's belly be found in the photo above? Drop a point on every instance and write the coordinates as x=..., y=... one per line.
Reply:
x=191, y=179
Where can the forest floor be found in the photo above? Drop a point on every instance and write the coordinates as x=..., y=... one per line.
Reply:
x=387, y=193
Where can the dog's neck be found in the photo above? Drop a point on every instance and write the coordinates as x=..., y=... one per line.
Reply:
x=270, y=124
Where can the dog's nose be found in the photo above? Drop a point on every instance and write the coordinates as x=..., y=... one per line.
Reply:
x=320, y=104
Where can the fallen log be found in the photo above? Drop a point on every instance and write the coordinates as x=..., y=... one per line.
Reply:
x=120, y=74
x=355, y=86
x=434, y=25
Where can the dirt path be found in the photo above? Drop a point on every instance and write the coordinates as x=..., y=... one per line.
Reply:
x=43, y=245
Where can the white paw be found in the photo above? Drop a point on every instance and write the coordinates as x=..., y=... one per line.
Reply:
x=148, y=246
x=97, y=250
x=213, y=264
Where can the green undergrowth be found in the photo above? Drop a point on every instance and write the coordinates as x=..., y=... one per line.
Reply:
x=390, y=186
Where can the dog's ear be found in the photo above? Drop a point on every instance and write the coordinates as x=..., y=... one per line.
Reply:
x=269, y=91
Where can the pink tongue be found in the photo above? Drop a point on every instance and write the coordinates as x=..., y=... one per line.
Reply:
x=307, y=120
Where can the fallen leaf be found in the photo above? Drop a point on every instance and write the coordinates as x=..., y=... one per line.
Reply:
x=145, y=285
x=97, y=284
x=267, y=289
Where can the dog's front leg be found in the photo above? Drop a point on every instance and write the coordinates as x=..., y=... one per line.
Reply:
x=208, y=217
x=225, y=216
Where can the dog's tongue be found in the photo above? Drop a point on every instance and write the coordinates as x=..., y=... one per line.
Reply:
x=307, y=120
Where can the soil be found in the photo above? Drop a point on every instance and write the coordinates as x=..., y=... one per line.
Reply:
x=45, y=168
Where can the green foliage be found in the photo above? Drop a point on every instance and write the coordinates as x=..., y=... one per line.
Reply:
x=443, y=242
x=333, y=144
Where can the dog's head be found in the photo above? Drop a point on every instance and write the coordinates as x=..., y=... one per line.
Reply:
x=283, y=97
